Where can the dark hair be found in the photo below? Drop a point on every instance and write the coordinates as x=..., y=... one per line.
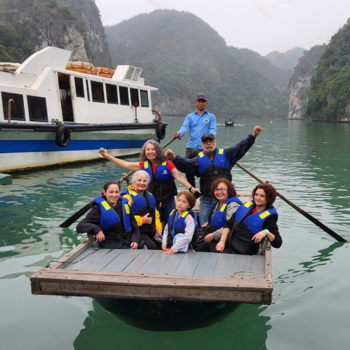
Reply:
x=231, y=192
x=191, y=199
x=270, y=193
x=110, y=182
x=160, y=155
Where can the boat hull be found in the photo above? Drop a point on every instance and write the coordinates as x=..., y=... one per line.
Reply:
x=160, y=315
x=32, y=146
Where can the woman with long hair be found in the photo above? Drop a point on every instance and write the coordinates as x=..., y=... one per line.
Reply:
x=253, y=221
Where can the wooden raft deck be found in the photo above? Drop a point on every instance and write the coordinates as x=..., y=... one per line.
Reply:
x=151, y=274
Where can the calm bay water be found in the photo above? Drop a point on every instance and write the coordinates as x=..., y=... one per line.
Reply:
x=307, y=162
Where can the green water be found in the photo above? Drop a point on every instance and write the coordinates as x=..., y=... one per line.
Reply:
x=307, y=162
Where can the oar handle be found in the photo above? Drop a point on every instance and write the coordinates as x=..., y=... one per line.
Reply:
x=301, y=211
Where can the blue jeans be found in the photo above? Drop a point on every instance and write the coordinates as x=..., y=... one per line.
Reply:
x=167, y=206
x=204, y=209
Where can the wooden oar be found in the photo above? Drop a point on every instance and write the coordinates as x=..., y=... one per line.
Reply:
x=301, y=211
x=84, y=209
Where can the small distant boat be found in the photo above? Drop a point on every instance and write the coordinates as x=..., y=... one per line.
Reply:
x=229, y=121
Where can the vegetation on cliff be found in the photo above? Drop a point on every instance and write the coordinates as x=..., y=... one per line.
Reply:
x=28, y=26
x=329, y=98
x=182, y=55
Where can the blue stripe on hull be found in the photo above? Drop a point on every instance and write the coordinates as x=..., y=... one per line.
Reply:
x=19, y=146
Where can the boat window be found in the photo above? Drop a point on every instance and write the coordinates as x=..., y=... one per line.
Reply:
x=17, y=107
x=134, y=93
x=79, y=87
x=144, y=98
x=37, y=109
x=97, y=91
x=124, y=95
x=88, y=90
x=112, y=93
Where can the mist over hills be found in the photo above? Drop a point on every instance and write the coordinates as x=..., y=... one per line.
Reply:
x=182, y=55
x=286, y=60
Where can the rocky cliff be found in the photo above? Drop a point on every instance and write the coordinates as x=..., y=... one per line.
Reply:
x=32, y=25
x=300, y=82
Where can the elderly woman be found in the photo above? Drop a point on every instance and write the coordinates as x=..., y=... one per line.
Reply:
x=227, y=203
x=143, y=206
x=252, y=222
x=162, y=173
x=111, y=221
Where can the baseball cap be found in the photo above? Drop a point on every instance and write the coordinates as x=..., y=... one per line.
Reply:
x=208, y=136
x=201, y=96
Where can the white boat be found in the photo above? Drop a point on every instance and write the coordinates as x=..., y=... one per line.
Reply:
x=53, y=111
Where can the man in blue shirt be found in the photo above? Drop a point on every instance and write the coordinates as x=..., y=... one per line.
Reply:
x=199, y=122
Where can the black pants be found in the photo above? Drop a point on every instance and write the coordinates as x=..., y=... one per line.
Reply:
x=191, y=153
x=150, y=242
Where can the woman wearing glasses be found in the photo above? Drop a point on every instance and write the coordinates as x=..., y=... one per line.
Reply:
x=252, y=222
x=227, y=203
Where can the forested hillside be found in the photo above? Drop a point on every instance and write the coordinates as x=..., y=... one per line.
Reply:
x=253, y=60
x=182, y=55
x=330, y=90
x=30, y=25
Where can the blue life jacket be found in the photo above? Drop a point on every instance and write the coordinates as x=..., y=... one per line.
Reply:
x=245, y=226
x=111, y=225
x=178, y=226
x=218, y=219
x=162, y=184
x=141, y=205
x=212, y=170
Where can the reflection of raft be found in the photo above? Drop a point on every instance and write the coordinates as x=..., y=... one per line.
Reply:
x=151, y=290
x=88, y=68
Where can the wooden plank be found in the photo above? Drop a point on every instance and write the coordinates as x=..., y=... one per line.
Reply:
x=75, y=263
x=242, y=264
x=171, y=264
x=123, y=260
x=132, y=278
x=188, y=264
x=146, y=286
x=224, y=265
x=258, y=265
x=96, y=260
x=139, y=261
x=206, y=265
x=154, y=263
x=71, y=255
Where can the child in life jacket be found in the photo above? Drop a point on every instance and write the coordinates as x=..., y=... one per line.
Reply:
x=180, y=232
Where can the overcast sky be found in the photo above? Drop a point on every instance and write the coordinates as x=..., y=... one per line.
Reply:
x=262, y=26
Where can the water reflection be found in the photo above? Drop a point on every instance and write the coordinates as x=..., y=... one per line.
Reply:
x=245, y=328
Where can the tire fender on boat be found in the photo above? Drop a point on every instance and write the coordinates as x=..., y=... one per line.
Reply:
x=161, y=131
x=62, y=136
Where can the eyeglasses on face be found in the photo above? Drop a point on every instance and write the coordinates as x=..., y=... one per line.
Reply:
x=220, y=190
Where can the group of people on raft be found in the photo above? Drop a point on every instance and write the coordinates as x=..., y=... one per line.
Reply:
x=147, y=216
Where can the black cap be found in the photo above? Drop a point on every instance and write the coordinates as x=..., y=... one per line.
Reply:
x=201, y=96
x=207, y=136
